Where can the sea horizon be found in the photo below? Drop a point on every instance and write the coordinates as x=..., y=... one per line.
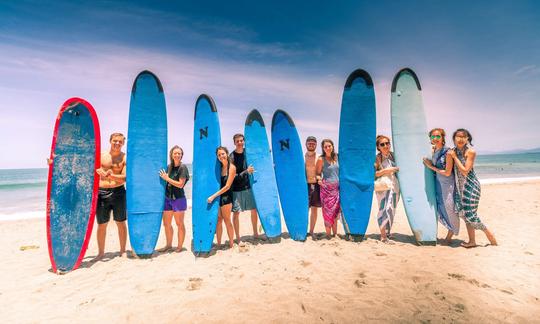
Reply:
x=23, y=190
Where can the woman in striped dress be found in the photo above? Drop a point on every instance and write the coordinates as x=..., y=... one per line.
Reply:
x=467, y=187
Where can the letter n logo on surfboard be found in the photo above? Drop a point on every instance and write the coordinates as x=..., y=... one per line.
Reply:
x=203, y=132
x=284, y=144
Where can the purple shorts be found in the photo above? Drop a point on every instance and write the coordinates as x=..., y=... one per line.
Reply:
x=175, y=205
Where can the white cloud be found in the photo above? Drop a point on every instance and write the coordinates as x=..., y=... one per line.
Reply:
x=36, y=82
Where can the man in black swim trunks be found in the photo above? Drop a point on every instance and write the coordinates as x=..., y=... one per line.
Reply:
x=112, y=194
x=314, y=197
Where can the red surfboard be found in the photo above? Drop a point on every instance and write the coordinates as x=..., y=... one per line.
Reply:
x=72, y=186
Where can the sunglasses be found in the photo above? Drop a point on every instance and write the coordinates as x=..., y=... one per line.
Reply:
x=383, y=144
x=435, y=137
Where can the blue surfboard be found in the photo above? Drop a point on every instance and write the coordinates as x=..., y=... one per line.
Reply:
x=357, y=132
x=72, y=184
x=290, y=175
x=206, y=174
x=146, y=155
x=411, y=144
x=263, y=180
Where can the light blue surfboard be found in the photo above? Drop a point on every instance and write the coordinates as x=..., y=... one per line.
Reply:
x=72, y=184
x=146, y=155
x=206, y=174
x=357, y=132
x=263, y=180
x=290, y=174
x=411, y=144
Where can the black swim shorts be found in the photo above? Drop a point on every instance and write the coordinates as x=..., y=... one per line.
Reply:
x=111, y=199
x=314, y=195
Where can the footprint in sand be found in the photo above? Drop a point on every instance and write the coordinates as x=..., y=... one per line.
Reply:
x=460, y=307
x=472, y=281
x=303, y=279
x=194, y=284
x=360, y=283
x=304, y=263
x=457, y=276
x=243, y=247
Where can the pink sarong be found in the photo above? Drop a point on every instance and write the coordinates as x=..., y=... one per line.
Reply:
x=330, y=202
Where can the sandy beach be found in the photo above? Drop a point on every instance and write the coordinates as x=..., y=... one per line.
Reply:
x=327, y=281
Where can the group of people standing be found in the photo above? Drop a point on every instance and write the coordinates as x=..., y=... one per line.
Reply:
x=457, y=186
x=457, y=189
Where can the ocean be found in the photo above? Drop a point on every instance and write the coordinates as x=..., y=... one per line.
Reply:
x=23, y=191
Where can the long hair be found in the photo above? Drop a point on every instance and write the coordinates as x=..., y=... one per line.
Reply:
x=440, y=130
x=378, y=140
x=378, y=158
x=226, y=152
x=171, y=164
x=464, y=131
x=333, y=155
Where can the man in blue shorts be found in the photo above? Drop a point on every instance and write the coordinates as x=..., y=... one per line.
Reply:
x=242, y=195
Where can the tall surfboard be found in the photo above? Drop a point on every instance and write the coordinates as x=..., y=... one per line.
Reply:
x=146, y=155
x=263, y=180
x=290, y=174
x=411, y=144
x=72, y=184
x=357, y=132
x=206, y=174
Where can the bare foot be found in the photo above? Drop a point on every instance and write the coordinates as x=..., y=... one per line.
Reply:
x=179, y=249
x=491, y=238
x=445, y=242
x=123, y=254
x=165, y=248
x=98, y=257
x=469, y=245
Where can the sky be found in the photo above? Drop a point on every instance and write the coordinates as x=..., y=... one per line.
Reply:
x=478, y=63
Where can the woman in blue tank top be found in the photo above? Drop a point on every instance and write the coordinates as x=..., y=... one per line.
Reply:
x=327, y=169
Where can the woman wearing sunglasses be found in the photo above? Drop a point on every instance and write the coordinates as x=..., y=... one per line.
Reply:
x=385, y=166
x=467, y=187
x=443, y=166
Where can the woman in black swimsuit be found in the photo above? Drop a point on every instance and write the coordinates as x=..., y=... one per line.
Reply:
x=228, y=172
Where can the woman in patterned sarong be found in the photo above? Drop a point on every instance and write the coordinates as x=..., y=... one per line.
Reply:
x=467, y=187
x=385, y=166
x=327, y=169
x=443, y=166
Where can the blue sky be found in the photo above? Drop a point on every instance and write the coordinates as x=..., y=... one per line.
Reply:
x=478, y=62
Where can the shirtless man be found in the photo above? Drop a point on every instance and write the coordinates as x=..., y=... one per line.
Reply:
x=112, y=193
x=311, y=176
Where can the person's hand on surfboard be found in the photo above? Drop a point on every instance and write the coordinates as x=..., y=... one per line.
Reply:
x=210, y=199
x=427, y=162
x=250, y=169
x=51, y=159
x=164, y=175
